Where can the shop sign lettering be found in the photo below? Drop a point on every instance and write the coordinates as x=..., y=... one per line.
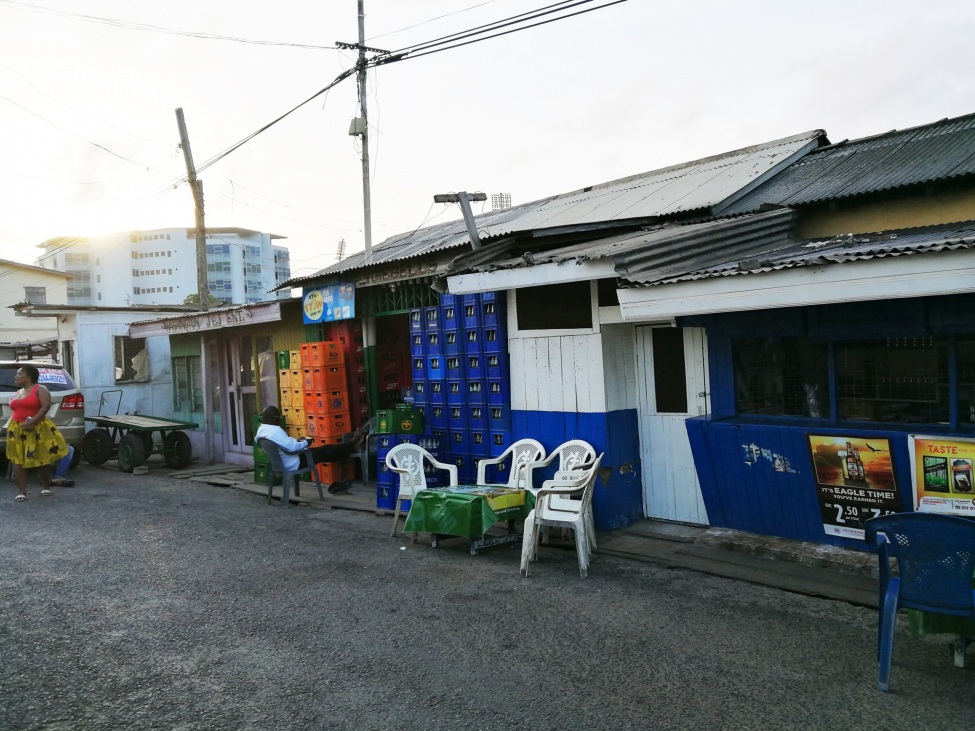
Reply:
x=208, y=321
x=408, y=270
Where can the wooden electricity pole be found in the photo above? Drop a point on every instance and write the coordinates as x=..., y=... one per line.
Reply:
x=203, y=291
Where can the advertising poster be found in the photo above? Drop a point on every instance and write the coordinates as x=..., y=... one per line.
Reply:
x=941, y=471
x=854, y=480
x=327, y=304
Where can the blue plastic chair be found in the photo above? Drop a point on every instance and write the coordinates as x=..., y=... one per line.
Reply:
x=276, y=465
x=935, y=557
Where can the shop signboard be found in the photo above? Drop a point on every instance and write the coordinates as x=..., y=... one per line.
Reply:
x=941, y=472
x=327, y=304
x=854, y=481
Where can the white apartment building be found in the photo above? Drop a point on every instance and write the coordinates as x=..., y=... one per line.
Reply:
x=158, y=267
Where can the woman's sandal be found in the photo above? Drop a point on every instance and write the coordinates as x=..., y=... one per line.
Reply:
x=20, y=498
x=45, y=492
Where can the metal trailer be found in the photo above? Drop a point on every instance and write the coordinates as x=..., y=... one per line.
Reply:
x=129, y=438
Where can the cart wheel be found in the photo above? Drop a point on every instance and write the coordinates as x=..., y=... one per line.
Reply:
x=178, y=450
x=97, y=446
x=131, y=452
x=147, y=440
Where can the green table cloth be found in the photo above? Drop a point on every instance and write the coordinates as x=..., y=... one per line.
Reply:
x=466, y=510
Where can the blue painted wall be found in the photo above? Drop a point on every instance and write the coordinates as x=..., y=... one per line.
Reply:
x=618, y=497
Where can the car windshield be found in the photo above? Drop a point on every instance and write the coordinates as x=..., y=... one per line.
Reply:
x=54, y=377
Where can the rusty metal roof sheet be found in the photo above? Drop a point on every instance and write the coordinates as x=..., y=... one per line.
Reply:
x=840, y=249
x=702, y=185
x=897, y=159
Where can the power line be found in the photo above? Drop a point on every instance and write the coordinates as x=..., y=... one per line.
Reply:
x=431, y=20
x=128, y=25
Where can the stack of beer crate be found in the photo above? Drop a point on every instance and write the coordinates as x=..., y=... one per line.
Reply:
x=291, y=399
x=325, y=400
x=461, y=378
x=387, y=481
x=349, y=334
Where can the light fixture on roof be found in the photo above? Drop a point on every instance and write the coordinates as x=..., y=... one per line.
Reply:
x=464, y=199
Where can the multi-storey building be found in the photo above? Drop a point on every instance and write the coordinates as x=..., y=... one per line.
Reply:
x=158, y=267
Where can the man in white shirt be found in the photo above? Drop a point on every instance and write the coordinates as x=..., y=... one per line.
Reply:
x=270, y=428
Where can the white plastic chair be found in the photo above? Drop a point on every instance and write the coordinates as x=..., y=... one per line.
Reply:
x=406, y=460
x=574, y=454
x=521, y=453
x=562, y=513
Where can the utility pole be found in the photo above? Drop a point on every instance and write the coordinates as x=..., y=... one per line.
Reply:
x=464, y=199
x=360, y=125
x=201, y=284
x=196, y=186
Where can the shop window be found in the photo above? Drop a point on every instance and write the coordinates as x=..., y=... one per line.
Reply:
x=781, y=376
x=966, y=381
x=893, y=380
x=188, y=388
x=555, y=307
x=131, y=360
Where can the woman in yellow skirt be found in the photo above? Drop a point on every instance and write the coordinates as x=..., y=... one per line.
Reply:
x=33, y=441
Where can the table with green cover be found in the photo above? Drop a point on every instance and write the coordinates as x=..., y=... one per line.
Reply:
x=469, y=511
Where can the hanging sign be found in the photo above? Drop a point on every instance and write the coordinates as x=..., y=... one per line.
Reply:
x=854, y=480
x=327, y=304
x=941, y=472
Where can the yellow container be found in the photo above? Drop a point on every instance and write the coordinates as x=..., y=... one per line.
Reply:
x=295, y=360
x=284, y=379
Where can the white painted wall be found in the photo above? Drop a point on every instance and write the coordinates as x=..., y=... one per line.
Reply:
x=13, y=279
x=96, y=366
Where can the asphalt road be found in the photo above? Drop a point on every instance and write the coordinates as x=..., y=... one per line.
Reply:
x=154, y=603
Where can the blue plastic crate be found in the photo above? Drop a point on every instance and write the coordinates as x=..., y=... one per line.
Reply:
x=480, y=441
x=434, y=343
x=473, y=340
x=454, y=367
x=471, y=314
x=453, y=341
x=437, y=392
x=386, y=496
x=457, y=417
x=416, y=321
x=441, y=436
x=406, y=439
x=447, y=299
x=492, y=313
x=384, y=442
x=477, y=416
x=466, y=467
x=421, y=389
x=456, y=393
x=496, y=365
x=435, y=367
x=418, y=367
x=436, y=416
x=474, y=365
x=494, y=340
x=460, y=442
x=477, y=391
x=431, y=444
x=500, y=440
x=422, y=409
x=497, y=474
x=418, y=345
x=432, y=319
x=498, y=392
x=499, y=417
x=450, y=318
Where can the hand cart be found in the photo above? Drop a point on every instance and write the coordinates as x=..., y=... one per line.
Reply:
x=129, y=438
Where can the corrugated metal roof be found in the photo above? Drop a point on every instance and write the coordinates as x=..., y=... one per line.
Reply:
x=694, y=186
x=840, y=249
x=662, y=251
x=897, y=159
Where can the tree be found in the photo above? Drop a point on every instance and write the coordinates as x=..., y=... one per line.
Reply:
x=194, y=299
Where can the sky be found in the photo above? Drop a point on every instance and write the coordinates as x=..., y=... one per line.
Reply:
x=91, y=143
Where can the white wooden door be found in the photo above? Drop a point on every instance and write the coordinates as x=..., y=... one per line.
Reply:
x=672, y=384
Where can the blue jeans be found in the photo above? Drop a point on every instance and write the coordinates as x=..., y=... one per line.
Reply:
x=63, y=464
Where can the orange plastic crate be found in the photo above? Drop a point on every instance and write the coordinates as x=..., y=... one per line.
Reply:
x=313, y=379
x=335, y=378
x=335, y=425
x=311, y=425
x=335, y=401
x=314, y=402
x=332, y=352
x=330, y=472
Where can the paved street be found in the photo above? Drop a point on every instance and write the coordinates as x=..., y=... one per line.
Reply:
x=154, y=603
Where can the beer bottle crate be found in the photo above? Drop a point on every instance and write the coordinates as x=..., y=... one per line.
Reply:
x=453, y=341
x=416, y=321
x=432, y=319
x=480, y=441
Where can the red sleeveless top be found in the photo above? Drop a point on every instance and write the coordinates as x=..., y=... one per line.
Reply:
x=21, y=408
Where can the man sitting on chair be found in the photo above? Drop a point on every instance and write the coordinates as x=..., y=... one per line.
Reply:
x=270, y=428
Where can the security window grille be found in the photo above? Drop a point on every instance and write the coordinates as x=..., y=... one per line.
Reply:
x=131, y=360
x=35, y=295
x=893, y=380
x=785, y=376
x=188, y=390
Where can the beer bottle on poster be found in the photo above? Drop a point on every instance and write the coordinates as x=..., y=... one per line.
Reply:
x=859, y=462
x=851, y=465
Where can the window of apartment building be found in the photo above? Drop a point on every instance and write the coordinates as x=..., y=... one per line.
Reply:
x=188, y=384
x=35, y=295
x=131, y=360
x=76, y=259
x=98, y=278
x=135, y=272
